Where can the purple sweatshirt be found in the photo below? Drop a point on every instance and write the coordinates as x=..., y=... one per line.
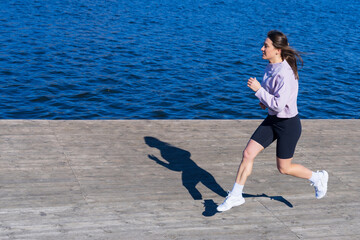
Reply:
x=279, y=90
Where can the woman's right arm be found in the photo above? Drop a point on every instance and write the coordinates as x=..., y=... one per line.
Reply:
x=263, y=107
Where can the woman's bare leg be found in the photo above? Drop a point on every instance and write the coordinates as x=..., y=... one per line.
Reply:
x=286, y=167
x=251, y=151
x=319, y=179
x=235, y=197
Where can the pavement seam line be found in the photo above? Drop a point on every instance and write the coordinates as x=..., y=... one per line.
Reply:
x=272, y=213
x=69, y=164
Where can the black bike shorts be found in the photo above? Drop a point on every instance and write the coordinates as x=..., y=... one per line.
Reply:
x=286, y=131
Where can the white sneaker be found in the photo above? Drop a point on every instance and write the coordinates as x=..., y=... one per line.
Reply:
x=321, y=185
x=230, y=201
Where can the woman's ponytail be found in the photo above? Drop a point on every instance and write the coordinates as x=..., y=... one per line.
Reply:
x=287, y=53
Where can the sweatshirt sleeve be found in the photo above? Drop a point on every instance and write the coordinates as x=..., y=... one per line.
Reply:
x=276, y=101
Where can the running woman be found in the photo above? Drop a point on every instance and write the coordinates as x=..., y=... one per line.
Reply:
x=278, y=93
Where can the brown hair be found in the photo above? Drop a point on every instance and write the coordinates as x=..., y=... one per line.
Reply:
x=289, y=54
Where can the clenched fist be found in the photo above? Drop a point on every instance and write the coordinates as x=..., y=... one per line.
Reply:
x=253, y=84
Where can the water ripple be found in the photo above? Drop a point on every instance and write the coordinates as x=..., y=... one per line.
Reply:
x=170, y=59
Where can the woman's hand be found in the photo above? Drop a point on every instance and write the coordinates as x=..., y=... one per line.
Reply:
x=263, y=107
x=253, y=84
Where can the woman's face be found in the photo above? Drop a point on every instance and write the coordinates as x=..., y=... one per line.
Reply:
x=270, y=52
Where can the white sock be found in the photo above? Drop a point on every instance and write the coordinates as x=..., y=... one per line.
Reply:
x=314, y=177
x=237, y=190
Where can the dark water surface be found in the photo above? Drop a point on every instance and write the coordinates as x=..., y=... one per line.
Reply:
x=170, y=59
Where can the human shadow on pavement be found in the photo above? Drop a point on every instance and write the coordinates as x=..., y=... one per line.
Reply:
x=177, y=159
x=210, y=206
x=276, y=198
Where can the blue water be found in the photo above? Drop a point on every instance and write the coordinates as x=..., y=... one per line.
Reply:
x=171, y=59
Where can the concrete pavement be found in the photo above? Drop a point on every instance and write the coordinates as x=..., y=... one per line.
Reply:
x=162, y=179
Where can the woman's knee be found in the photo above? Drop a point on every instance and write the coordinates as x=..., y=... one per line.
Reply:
x=246, y=163
x=283, y=170
x=248, y=155
x=252, y=150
